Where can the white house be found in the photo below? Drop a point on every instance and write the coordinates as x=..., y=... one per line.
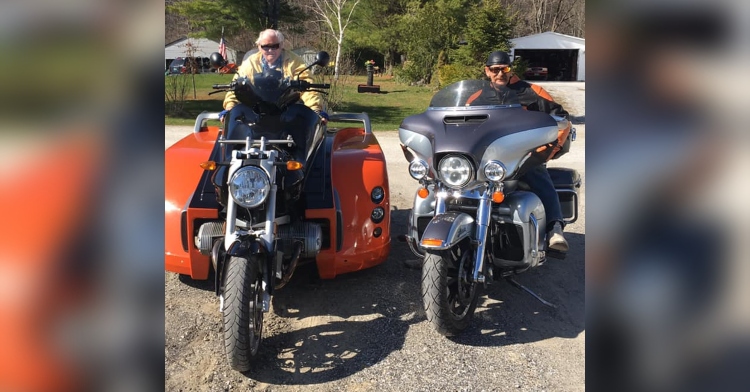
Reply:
x=199, y=47
x=563, y=55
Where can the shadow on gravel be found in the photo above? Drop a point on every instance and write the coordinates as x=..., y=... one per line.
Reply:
x=507, y=315
x=206, y=285
x=576, y=120
x=354, y=321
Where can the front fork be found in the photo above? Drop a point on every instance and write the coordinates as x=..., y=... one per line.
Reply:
x=482, y=221
x=266, y=237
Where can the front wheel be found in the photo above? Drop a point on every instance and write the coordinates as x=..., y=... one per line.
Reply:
x=243, y=312
x=449, y=299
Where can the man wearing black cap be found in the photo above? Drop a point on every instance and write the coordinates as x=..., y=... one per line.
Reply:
x=532, y=97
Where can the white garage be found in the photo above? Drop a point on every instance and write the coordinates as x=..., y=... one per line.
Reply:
x=199, y=47
x=563, y=55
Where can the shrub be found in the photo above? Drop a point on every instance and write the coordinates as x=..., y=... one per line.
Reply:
x=452, y=73
x=409, y=73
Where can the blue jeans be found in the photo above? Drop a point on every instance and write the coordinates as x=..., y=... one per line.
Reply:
x=541, y=184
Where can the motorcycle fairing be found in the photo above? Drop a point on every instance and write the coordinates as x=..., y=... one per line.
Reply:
x=513, y=127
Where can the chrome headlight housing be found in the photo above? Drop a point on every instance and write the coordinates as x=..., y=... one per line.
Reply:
x=249, y=186
x=494, y=171
x=455, y=171
x=418, y=169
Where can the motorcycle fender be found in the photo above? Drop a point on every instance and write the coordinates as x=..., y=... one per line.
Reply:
x=446, y=230
x=245, y=248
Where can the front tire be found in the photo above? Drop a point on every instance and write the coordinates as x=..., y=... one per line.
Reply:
x=243, y=312
x=449, y=300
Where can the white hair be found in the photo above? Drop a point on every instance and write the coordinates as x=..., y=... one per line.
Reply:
x=267, y=32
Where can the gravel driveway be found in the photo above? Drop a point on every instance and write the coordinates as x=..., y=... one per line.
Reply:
x=366, y=331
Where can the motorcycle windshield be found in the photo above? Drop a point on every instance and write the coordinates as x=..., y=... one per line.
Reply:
x=268, y=86
x=475, y=94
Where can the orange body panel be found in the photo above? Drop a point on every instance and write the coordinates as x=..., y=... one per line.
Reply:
x=182, y=174
x=40, y=293
x=357, y=167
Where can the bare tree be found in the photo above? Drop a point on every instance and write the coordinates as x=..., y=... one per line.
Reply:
x=333, y=14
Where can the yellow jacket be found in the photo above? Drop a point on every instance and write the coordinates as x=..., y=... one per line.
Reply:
x=291, y=65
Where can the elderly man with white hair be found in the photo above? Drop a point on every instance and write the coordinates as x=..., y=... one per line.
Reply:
x=271, y=54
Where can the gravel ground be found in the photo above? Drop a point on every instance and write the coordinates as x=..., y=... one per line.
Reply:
x=366, y=331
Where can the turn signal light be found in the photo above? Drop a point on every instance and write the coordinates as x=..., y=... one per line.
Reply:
x=293, y=165
x=432, y=242
x=498, y=197
x=423, y=193
x=208, y=165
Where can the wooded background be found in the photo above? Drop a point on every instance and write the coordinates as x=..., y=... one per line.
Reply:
x=411, y=39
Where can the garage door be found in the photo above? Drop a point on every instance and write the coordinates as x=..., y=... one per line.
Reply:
x=560, y=64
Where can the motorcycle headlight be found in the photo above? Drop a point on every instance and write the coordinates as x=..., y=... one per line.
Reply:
x=455, y=171
x=418, y=169
x=494, y=171
x=249, y=186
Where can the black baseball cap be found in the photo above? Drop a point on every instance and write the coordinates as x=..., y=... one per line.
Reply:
x=498, y=58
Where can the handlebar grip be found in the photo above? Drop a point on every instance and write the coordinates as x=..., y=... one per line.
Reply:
x=324, y=85
x=222, y=85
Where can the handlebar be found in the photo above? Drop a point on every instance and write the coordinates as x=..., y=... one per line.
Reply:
x=228, y=85
x=304, y=85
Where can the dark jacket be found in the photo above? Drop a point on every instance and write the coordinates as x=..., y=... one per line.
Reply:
x=532, y=97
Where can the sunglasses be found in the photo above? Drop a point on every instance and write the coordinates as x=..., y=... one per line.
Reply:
x=268, y=47
x=495, y=70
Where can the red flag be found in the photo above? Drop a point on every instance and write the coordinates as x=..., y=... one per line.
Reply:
x=223, y=48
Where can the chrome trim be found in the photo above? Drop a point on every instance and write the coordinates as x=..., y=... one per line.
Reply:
x=259, y=142
x=482, y=107
x=247, y=169
x=505, y=170
x=472, y=171
x=423, y=163
x=536, y=256
x=202, y=118
x=352, y=117
x=483, y=220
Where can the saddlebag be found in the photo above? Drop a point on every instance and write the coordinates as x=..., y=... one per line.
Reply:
x=567, y=182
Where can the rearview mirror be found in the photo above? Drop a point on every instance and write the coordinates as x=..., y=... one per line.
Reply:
x=216, y=60
x=322, y=59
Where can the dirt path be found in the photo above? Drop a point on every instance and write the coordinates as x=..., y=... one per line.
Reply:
x=367, y=331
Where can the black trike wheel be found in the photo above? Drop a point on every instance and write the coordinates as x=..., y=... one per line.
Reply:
x=243, y=312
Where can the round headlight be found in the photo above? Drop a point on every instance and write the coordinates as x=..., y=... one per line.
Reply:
x=494, y=171
x=418, y=169
x=377, y=195
x=249, y=186
x=455, y=171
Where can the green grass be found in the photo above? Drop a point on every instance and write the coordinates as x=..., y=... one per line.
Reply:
x=386, y=110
